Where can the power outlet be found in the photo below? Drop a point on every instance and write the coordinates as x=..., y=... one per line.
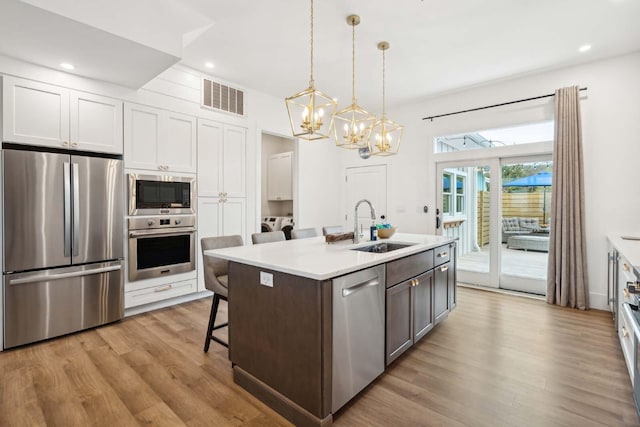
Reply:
x=266, y=279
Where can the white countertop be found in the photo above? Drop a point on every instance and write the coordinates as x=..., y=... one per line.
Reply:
x=315, y=259
x=629, y=248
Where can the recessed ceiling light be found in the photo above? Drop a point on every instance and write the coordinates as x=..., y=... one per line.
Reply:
x=67, y=66
x=585, y=48
x=209, y=64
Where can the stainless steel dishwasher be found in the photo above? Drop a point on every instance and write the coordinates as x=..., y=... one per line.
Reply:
x=358, y=332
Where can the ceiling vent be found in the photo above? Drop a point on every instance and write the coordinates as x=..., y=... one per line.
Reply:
x=221, y=97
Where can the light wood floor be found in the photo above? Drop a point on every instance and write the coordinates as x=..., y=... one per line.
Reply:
x=498, y=360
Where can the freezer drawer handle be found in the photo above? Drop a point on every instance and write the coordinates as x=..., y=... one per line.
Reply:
x=355, y=288
x=49, y=277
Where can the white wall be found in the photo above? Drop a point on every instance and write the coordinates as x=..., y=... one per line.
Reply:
x=611, y=135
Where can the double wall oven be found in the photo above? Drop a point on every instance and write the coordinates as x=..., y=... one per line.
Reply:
x=162, y=226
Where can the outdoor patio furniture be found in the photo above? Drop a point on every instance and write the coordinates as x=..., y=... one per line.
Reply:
x=518, y=226
x=529, y=242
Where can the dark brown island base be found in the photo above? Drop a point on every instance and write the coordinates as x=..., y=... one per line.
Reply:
x=312, y=324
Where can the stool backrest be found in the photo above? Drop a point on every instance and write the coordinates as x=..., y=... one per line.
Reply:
x=215, y=267
x=332, y=229
x=303, y=233
x=269, y=236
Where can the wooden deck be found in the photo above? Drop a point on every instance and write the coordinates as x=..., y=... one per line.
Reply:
x=487, y=364
x=515, y=262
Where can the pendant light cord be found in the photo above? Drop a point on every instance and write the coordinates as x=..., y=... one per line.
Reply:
x=353, y=63
x=311, y=78
x=383, y=85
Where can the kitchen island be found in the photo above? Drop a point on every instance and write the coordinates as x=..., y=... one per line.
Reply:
x=312, y=324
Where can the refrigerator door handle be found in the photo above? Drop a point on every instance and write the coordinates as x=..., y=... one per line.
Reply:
x=49, y=277
x=67, y=209
x=76, y=210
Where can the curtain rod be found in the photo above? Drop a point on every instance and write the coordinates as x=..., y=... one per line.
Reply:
x=493, y=106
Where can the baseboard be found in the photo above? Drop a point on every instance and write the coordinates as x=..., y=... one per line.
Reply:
x=165, y=303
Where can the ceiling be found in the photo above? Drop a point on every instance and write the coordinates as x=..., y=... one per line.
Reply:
x=436, y=46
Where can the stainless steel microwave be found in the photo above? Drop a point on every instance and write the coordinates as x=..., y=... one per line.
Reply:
x=161, y=194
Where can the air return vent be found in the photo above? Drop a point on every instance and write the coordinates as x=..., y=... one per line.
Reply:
x=222, y=97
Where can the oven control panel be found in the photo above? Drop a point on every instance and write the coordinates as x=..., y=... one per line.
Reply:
x=162, y=222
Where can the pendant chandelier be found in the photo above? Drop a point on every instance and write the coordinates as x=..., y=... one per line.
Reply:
x=384, y=139
x=311, y=111
x=351, y=125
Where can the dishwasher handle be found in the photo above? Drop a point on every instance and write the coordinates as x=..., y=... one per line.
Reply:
x=355, y=288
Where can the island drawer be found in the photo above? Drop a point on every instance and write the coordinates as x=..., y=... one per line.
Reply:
x=408, y=267
x=441, y=255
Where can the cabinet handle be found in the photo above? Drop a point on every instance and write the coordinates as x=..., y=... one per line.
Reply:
x=445, y=268
x=160, y=167
x=74, y=144
x=163, y=288
x=417, y=282
x=65, y=144
x=626, y=267
x=626, y=292
x=625, y=333
x=443, y=254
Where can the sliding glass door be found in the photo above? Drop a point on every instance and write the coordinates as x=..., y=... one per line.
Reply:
x=466, y=197
x=499, y=212
x=524, y=223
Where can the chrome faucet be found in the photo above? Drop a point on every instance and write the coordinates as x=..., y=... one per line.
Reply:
x=356, y=237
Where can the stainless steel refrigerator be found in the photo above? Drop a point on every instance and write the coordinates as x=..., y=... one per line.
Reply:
x=63, y=243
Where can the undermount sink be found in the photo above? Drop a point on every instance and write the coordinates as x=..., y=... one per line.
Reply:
x=382, y=247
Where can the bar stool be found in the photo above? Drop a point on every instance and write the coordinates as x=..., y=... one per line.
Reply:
x=270, y=236
x=303, y=233
x=332, y=229
x=216, y=280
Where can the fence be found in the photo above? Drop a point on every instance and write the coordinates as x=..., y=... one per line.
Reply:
x=524, y=205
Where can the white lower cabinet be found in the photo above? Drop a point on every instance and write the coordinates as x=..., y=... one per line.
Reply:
x=160, y=292
x=218, y=217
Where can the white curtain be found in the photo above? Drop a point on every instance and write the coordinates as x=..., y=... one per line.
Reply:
x=567, y=283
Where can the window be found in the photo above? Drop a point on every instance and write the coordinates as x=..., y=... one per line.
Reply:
x=460, y=190
x=489, y=138
x=447, y=197
x=453, y=199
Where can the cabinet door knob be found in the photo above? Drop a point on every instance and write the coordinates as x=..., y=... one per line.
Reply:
x=65, y=143
x=417, y=282
x=443, y=254
x=625, y=333
x=444, y=268
x=626, y=292
x=74, y=144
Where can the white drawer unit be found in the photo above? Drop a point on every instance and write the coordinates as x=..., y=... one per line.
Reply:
x=625, y=333
x=159, y=292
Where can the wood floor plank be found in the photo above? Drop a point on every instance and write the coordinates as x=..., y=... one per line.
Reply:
x=497, y=360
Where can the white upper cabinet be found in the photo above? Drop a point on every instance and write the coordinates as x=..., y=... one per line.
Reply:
x=221, y=159
x=178, y=149
x=156, y=139
x=96, y=123
x=279, y=177
x=46, y=115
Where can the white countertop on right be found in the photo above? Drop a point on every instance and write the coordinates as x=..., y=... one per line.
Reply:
x=629, y=246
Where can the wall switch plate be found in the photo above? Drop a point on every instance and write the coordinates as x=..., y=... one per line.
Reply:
x=266, y=279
